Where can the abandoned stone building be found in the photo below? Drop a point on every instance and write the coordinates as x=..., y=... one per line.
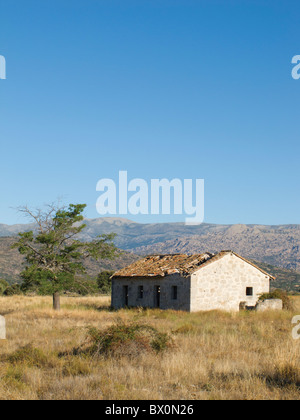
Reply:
x=191, y=283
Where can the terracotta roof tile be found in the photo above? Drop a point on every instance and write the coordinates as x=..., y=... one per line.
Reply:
x=164, y=265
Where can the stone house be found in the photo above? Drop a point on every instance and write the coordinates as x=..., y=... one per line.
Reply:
x=191, y=283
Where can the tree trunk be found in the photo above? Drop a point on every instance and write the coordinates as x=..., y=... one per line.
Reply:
x=56, y=301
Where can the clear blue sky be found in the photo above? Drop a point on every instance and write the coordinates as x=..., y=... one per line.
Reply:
x=160, y=88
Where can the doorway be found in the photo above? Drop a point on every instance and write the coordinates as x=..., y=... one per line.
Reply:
x=157, y=296
x=125, y=295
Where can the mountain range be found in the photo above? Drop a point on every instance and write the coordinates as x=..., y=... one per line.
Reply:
x=271, y=245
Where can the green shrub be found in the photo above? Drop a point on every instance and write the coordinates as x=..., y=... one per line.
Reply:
x=279, y=294
x=3, y=286
x=104, y=282
x=13, y=290
x=14, y=377
x=29, y=356
x=83, y=286
x=76, y=366
x=124, y=340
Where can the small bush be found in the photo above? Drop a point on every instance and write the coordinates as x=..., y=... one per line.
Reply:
x=124, y=340
x=3, y=286
x=104, y=282
x=84, y=287
x=14, y=377
x=81, y=285
x=76, y=367
x=284, y=375
x=279, y=294
x=13, y=290
x=29, y=356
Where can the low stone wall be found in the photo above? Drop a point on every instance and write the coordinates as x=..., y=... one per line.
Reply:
x=269, y=304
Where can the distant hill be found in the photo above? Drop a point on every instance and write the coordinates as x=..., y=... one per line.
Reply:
x=10, y=261
x=274, y=246
x=284, y=279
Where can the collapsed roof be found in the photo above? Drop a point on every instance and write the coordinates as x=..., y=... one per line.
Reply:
x=164, y=265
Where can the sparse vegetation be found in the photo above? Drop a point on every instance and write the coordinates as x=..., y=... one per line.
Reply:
x=11, y=262
x=54, y=254
x=279, y=294
x=285, y=279
x=124, y=340
x=29, y=356
x=214, y=355
x=15, y=289
x=3, y=286
x=104, y=281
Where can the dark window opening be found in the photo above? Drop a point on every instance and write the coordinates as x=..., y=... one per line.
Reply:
x=174, y=292
x=157, y=296
x=249, y=291
x=141, y=292
x=125, y=295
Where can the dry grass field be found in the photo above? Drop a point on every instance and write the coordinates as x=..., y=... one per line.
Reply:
x=215, y=355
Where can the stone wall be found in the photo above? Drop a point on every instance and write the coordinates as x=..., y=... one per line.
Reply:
x=269, y=304
x=149, y=292
x=222, y=285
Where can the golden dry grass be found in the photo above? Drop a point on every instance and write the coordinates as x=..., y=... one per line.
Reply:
x=216, y=355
